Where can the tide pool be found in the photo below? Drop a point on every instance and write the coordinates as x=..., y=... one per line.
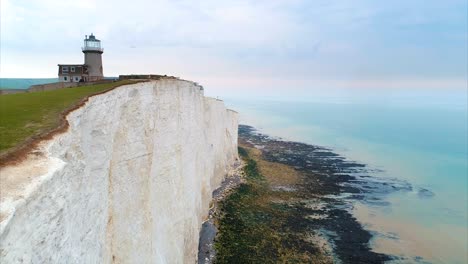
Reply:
x=418, y=136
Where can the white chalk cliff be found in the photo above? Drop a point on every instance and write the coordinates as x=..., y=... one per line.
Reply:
x=130, y=181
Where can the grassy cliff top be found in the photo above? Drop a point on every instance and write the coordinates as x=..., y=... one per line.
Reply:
x=28, y=116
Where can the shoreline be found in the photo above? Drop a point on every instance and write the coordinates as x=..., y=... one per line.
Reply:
x=208, y=231
x=313, y=188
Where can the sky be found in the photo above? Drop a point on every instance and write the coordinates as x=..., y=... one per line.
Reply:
x=247, y=44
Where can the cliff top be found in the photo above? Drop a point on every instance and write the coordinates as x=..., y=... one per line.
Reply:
x=26, y=118
x=155, y=77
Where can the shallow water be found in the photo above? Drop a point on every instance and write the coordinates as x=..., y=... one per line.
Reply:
x=417, y=139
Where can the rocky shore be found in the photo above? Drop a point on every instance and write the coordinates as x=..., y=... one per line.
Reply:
x=206, y=250
x=300, y=197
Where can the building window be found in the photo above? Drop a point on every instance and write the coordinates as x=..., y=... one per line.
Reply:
x=76, y=79
x=72, y=69
x=65, y=78
x=64, y=69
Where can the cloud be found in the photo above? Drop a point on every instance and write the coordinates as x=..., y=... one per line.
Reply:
x=345, y=40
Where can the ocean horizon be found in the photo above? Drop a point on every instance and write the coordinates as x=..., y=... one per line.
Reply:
x=417, y=138
x=23, y=83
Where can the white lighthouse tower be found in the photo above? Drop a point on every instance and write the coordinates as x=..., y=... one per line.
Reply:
x=93, y=58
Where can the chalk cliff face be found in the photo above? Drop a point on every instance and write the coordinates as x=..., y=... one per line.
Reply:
x=129, y=182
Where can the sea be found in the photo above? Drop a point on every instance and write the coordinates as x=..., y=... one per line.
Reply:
x=23, y=83
x=415, y=136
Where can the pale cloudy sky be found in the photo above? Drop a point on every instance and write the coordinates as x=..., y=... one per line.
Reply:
x=246, y=43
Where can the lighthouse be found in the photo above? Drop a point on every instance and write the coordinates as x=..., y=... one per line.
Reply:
x=91, y=70
x=93, y=57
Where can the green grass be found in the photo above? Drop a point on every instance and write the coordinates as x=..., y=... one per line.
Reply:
x=25, y=115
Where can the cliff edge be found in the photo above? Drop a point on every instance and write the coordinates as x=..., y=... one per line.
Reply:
x=130, y=181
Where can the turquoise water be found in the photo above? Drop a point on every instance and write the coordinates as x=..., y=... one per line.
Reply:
x=416, y=136
x=23, y=83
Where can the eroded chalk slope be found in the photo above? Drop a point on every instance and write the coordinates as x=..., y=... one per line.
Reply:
x=129, y=182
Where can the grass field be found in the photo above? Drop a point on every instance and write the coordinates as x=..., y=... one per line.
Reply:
x=25, y=115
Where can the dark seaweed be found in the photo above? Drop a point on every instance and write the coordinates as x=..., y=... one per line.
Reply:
x=328, y=176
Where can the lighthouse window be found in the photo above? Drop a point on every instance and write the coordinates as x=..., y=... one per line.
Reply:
x=72, y=69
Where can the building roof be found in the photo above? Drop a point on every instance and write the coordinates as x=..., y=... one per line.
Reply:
x=92, y=38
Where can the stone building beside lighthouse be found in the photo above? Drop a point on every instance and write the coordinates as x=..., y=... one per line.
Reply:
x=91, y=70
